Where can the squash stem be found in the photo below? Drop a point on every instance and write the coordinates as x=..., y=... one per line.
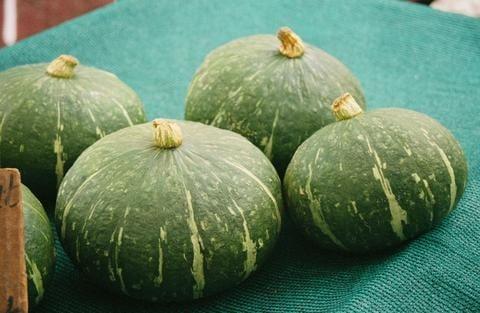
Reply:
x=345, y=107
x=167, y=135
x=63, y=66
x=291, y=45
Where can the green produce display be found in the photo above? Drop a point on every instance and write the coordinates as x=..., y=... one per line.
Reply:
x=49, y=113
x=39, y=247
x=172, y=212
x=275, y=92
x=373, y=180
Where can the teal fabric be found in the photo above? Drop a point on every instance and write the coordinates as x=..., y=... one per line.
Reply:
x=405, y=55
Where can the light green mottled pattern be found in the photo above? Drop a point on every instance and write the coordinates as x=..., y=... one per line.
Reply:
x=46, y=122
x=35, y=277
x=39, y=247
x=376, y=180
x=276, y=102
x=194, y=220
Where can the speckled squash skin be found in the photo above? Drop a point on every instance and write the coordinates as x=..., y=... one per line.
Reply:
x=47, y=121
x=375, y=180
x=169, y=224
x=39, y=247
x=248, y=86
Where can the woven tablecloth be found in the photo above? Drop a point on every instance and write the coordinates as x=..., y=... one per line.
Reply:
x=405, y=55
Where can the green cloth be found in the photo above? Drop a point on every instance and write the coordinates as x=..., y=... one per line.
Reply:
x=405, y=55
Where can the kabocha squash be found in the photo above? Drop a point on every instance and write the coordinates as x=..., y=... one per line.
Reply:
x=49, y=113
x=172, y=212
x=275, y=92
x=373, y=180
x=39, y=247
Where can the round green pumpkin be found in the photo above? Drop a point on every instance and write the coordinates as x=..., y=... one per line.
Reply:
x=170, y=213
x=49, y=113
x=373, y=180
x=275, y=92
x=39, y=247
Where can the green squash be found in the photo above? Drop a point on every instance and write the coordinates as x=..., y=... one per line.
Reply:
x=275, y=92
x=49, y=113
x=170, y=213
x=39, y=247
x=373, y=180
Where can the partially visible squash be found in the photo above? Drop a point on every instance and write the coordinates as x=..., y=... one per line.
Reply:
x=275, y=92
x=39, y=247
x=49, y=113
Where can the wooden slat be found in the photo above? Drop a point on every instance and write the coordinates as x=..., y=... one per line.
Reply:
x=13, y=276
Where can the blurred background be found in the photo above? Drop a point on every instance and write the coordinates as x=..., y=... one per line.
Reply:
x=20, y=19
